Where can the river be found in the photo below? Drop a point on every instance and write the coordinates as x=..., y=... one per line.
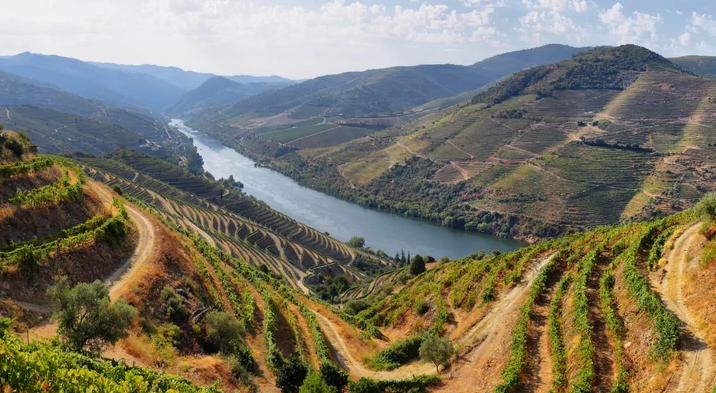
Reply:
x=382, y=231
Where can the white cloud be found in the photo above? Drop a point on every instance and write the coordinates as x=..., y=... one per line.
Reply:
x=704, y=22
x=558, y=5
x=679, y=12
x=535, y=24
x=637, y=28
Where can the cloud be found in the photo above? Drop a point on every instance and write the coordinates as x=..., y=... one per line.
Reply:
x=704, y=22
x=558, y=5
x=535, y=24
x=637, y=28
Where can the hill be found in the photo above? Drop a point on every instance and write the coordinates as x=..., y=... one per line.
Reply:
x=216, y=91
x=129, y=91
x=610, y=309
x=511, y=62
x=379, y=97
x=699, y=65
x=187, y=80
x=607, y=136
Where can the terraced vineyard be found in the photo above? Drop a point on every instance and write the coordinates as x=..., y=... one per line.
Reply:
x=545, y=152
x=258, y=240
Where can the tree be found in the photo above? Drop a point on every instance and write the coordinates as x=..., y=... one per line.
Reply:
x=291, y=375
x=437, y=350
x=315, y=384
x=417, y=265
x=224, y=330
x=334, y=376
x=87, y=318
x=706, y=208
x=357, y=242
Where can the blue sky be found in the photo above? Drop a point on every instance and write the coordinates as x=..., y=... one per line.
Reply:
x=306, y=38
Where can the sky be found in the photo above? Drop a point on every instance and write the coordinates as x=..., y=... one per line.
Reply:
x=308, y=38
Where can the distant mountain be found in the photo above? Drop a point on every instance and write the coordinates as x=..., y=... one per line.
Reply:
x=699, y=65
x=15, y=90
x=187, y=80
x=127, y=90
x=389, y=90
x=511, y=62
x=216, y=91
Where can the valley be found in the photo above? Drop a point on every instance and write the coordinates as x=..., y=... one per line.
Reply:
x=163, y=230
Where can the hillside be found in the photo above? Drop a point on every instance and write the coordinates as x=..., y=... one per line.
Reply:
x=216, y=91
x=617, y=308
x=700, y=65
x=135, y=92
x=511, y=62
x=615, y=134
x=187, y=80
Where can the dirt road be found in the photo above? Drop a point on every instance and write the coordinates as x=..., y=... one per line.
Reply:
x=697, y=373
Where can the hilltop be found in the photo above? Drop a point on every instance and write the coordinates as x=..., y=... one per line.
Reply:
x=699, y=65
x=611, y=135
x=215, y=91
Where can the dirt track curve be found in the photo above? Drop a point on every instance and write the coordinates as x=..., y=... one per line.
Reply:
x=697, y=372
x=479, y=342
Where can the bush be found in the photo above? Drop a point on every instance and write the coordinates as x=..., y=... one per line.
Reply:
x=357, y=242
x=174, y=304
x=354, y=306
x=116, y=188
x=291, y=375
x=224, y=330
x=437, y=350
x=334, y=376
x=315, y=384
x=706, y=208
x=417, y=265
x=397, y=354
x=15, y=146
x=421, y=307
x=87, y=318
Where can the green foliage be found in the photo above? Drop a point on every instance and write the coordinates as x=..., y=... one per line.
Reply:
x=556, y=336
x=41, y=366
x=224, y=330
x=117, y=189
x=414, y=385
x=417, y=265
x=706, y=208
x=291, y=375
x=51, y=194
x=436, y=350
x=173, y=304
x=334, y=376
x=357, y=242
x=421, y=307
x=25, y=167
x=400, y=353
x=354, y=306
x=87, y=318
x=315, y=384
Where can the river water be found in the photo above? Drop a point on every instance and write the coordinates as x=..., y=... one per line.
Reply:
x=382, y=231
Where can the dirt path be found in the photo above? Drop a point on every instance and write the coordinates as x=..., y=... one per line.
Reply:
x=697, y=373
x=355, y=367
x=465, y=174
x=308, y=136
x=7, y=113
x=474, y=369
x=460, y=150
x=142, y=254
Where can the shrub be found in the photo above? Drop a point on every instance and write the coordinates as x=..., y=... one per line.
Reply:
x=437, y=350
x=421, y=307
x=706, y=208
x=291, y=376
x=224, y=330
x=334, y=376
x=357, y=242
x=87, y=318
x=116, y=188
x=397, y=354
x=174, y=304
x=354, y=306
x=417, y=265
x=315, y=384
x=15, y=146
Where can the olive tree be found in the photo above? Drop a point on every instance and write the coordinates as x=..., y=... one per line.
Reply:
x=436, y=350
x=88, y=320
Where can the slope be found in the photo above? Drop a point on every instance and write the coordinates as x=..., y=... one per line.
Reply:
x=129, y=91
x=699, y=65
x=612, y=134
x=215, y=91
